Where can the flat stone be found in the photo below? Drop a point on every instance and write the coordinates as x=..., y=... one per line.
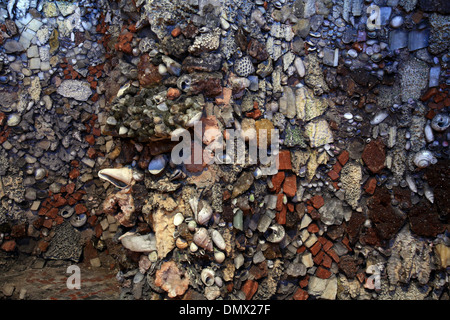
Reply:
x=76, y=89
x=34, y=64
x=12, y=46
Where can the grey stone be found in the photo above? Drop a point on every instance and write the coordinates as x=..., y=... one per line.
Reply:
x=440, y=33
x=414, y=78
x=398, y=39
x=12, y=46
x=66, y=244
x=76, y=89
x=296, y=269
x=418, y=39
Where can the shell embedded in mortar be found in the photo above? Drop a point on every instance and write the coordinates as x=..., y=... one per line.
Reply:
x=203, y=240
x=440, y=122
x=138, y=243
x=424, y=158
x=207, y=276
x=218, y=240
x=428, y=192
x=120, y=177
x=379, y=117
x=204, y=215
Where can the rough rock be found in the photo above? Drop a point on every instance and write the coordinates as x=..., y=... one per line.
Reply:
x=76, y=89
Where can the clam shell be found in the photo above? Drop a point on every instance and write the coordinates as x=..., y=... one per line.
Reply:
x=120, y=177
x=181, y=243
x=178, y=219
x=157, y=164
x=424, y=158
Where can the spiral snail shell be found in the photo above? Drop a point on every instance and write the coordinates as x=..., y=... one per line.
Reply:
x=207, y=276
x=424, y=158
x=203, y=240
x=440, y=122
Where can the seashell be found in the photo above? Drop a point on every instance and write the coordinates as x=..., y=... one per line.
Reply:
x=440, y=122
x=300, y=67
x=139, y=243
x=194, y=119
x=218, y=281
x=178, y=174
x=194, y=205
x=424, y=158
x=192, y=225
x=204, y=215
x=218, y=240
x=193, y=247
x=181, y=243
x=411, y=183
x=219, y=256
x=67, y=212
x=157, y=164
x=184, y=82
x=120, y=177
x=173, y=67
x=203, y=240
x=379, y=117
x=428, y=192
x=78, y=220
x=277, y=233
x=207, y=276
x=178, y=219
x=429, y=136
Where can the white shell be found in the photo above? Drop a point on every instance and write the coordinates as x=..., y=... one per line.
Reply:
x=300, y=67
x=78, y=220
x=178, y=219
x=219, y=256
x=157, y=164
x=429, y=136
x=204, y=215
x=428, y=192
x=207, y=276
x=120, y=177
x=424, y=158
x=193, y=247
x=440, y=122
x=218, y=240
x=203, y=240
x=138, y=243
x=379, y=117
x=411, y=183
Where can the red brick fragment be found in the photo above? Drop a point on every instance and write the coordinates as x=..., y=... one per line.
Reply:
x=323, y=273
x=343, y=157
x=317, y=201
x=315, y=248
x=9, y=246
x=313, y=228
x=326, y=262
x=300, y=294
x=284, y=160
x=333, y=175
x=290, y=185
x=249, y=288
x=370, y=185
x=277, y=180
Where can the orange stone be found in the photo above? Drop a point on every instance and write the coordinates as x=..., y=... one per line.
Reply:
x=284, y=160
x=249, y=288
x=300, y=294
x=173, y=93
x=277, y=180
x=9, y=246
x=176, y=32
x=290, y=185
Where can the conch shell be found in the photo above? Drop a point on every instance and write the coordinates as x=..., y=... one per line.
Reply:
x=120, y=177
x=203, y=240
x=138, y=243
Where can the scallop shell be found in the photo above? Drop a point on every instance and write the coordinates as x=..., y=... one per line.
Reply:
x=424, y=158
x=207, y=276
x=120, y=177
x=203, y=240
x=440, y=122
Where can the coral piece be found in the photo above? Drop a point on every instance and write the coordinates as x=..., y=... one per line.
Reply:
x=171, y=279
x=351, y=175
x=244, y=67
x=125, y=201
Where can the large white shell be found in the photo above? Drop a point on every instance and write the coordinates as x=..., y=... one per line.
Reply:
x=379, y=117
x=218, y=240
x=424, y=158
x=138, y=243
x=203, y=240
x=120, y=177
